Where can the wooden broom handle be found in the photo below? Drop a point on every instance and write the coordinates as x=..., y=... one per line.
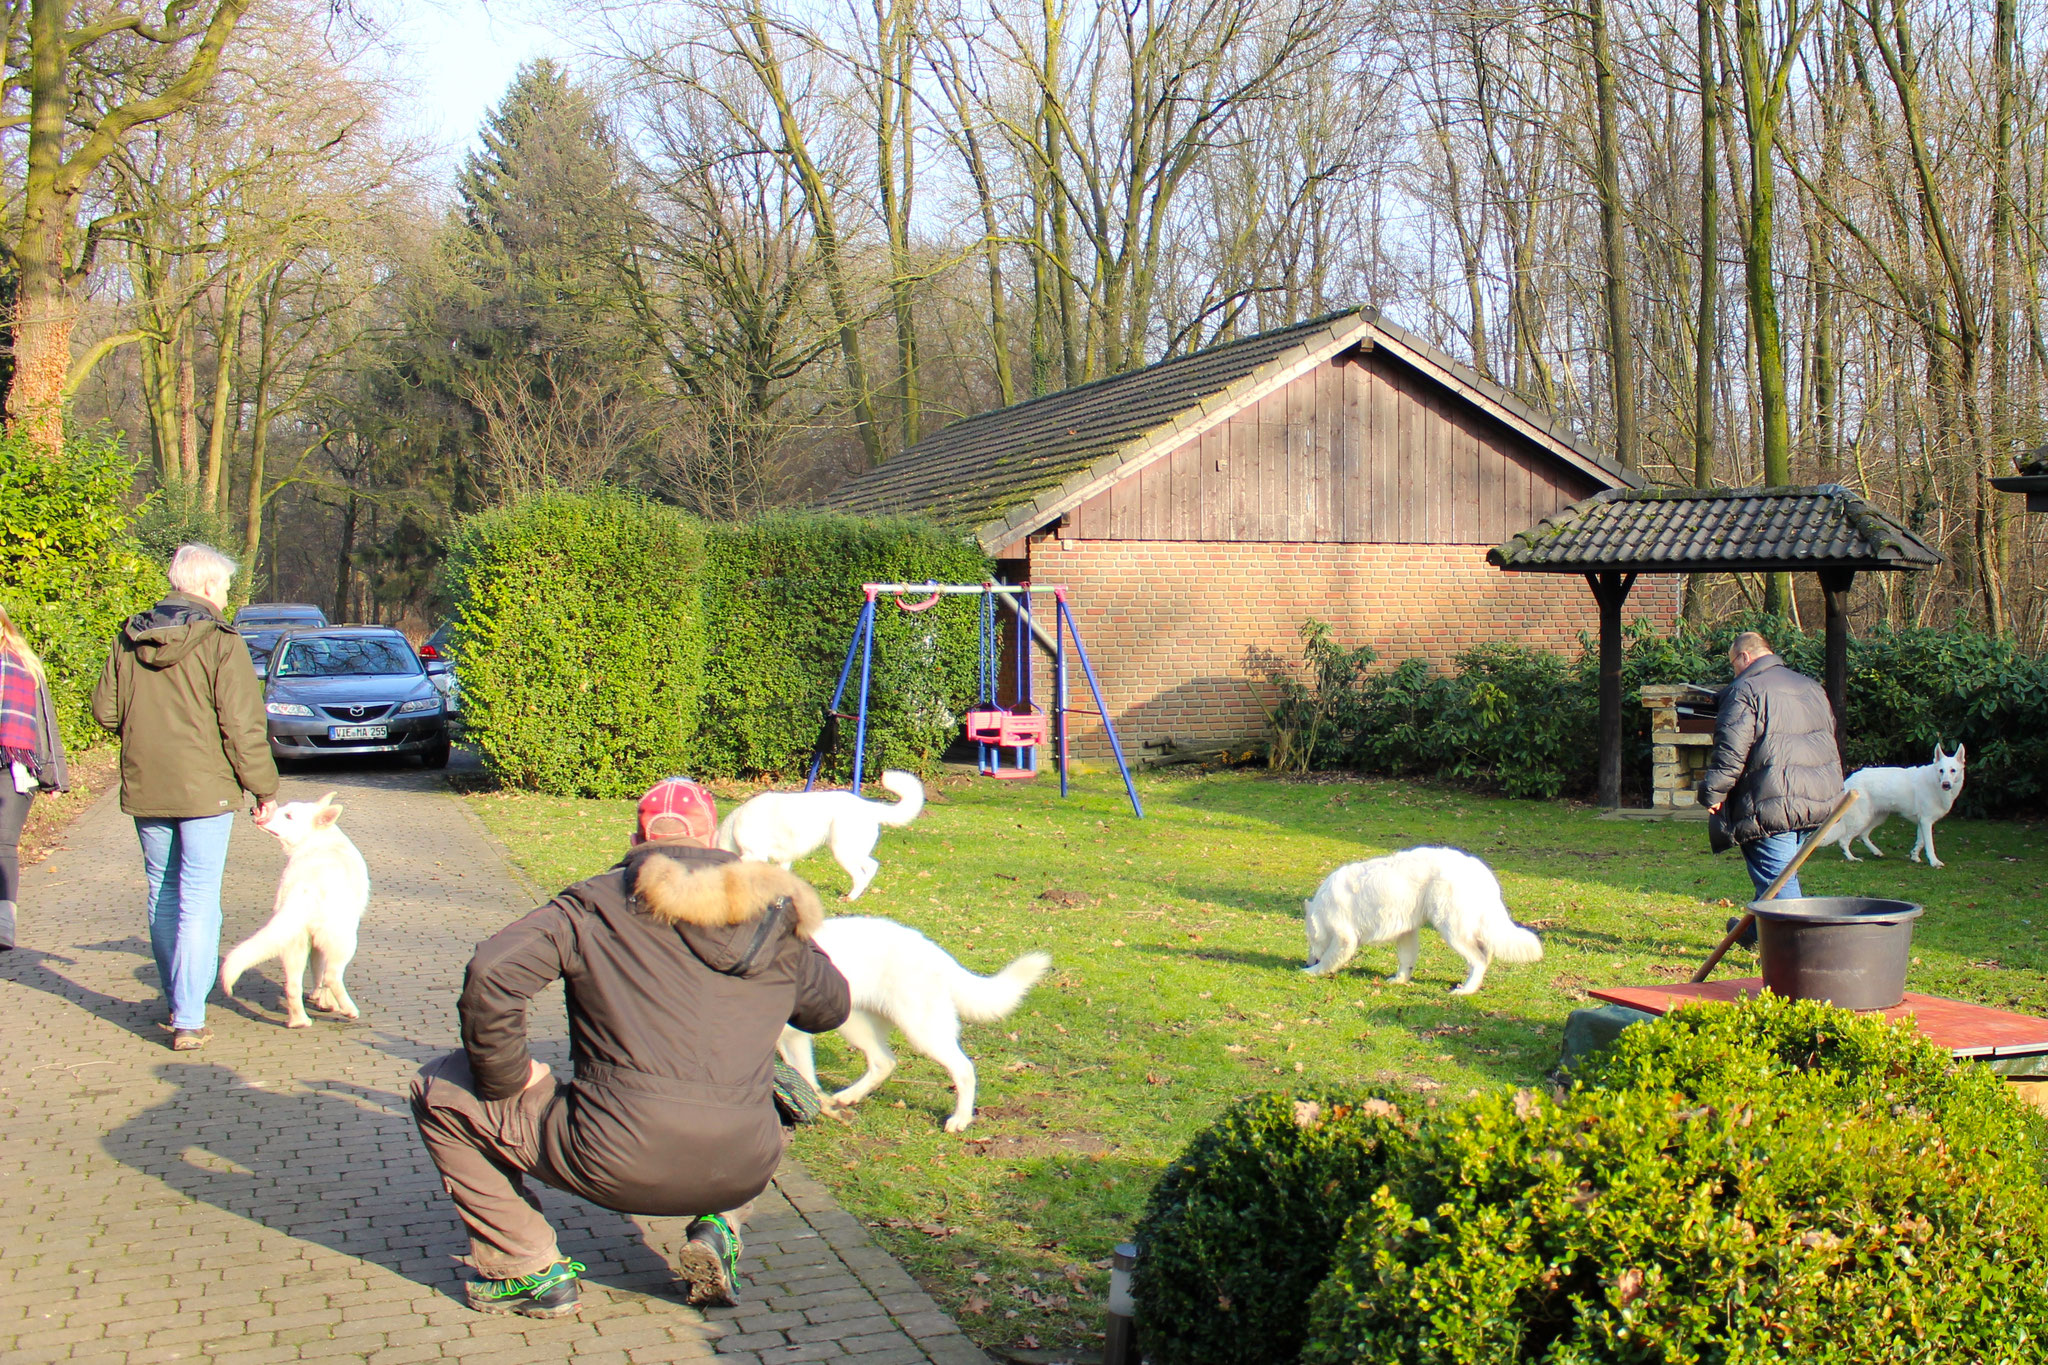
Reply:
x=1842, y=805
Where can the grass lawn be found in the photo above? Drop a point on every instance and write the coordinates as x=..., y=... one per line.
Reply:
x=1176, y=945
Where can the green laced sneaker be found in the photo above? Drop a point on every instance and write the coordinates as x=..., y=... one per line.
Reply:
x=709, y=1263
x=550, y=1294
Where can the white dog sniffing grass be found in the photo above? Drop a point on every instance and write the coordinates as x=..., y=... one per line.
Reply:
x=1397, y=896
x=320, y=902
x=780, y=827
x=898, y=976
x=1923, y=795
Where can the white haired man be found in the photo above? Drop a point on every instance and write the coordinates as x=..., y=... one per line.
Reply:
x=182, y=695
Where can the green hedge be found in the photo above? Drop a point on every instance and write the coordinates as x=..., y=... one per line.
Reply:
x=1624, y=1226
x=781, y=597
x=1523, y=721
x=1240, y=1229
x=579, y=640
x=70, y=572
x=1731, y=1183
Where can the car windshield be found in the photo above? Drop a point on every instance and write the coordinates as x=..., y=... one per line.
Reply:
x=344, y=657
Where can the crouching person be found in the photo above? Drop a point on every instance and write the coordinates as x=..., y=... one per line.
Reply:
x=681, y=965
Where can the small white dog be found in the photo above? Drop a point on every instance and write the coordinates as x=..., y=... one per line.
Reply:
x=320, y=902
x=1396, y=896
x=780, y=827
x=900, y=977
x=1924, y=795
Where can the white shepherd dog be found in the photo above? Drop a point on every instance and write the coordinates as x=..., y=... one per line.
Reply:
x=1396, y=896
x=320, y=902
x=780, y=827
x=900, y=977
x=1922, y=794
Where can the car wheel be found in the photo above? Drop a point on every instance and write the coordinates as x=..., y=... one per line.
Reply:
x=437, y=756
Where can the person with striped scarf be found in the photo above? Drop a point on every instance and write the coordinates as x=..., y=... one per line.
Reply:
x=31, y=758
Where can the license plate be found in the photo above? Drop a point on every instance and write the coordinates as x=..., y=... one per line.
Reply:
x=358, y=731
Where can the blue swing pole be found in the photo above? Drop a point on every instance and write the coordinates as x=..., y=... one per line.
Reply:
x=1027, y=757
x=985, y=674
x=860, y=726
x=839, y=693
x=1101, y=707
x=1059, y=691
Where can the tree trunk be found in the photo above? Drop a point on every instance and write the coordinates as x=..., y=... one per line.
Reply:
x=188, y=410
x=1613, y=241
x=44, y=311
x=343, y=570
x=259, y=439
x=1762, y=105
x=216, y=495
x=1707, y=326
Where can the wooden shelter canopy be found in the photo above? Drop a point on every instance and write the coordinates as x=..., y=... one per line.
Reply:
x=1737, y=530
x=1615, y=535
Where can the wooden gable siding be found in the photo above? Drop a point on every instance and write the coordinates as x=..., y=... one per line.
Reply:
x=1360, y=450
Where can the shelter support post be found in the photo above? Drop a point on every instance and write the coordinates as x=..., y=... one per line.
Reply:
x=1610, y=591
x=1834, y=588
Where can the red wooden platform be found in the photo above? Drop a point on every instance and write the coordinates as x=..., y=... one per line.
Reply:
x=1966, y=1030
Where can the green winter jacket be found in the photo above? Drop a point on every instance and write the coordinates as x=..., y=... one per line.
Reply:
x=181, y=693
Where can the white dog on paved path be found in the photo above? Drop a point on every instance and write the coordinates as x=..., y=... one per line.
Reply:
x=1397, y=896
x=1923, y=795
x=900, y=977
x=320, y=902
x=780, y=827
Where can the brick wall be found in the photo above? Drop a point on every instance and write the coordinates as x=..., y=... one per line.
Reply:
x=1168, y=624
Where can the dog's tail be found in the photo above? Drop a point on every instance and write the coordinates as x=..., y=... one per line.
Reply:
x=267, y=942
x=985, y=998
x=909, y=800
x=1507, y=941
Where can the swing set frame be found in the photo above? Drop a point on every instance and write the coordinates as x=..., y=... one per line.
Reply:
x=1017, y=597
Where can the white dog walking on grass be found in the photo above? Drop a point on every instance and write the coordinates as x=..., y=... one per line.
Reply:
x=780, y=827
x=898, y=976
x=320, y=902
x=1397, y=896
x=1923, y=795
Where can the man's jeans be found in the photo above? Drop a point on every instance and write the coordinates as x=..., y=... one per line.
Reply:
x=1767, y=857
x=183, y=861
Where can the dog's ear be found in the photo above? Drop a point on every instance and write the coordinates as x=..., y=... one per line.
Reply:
x=1958, y=754
x=325, y=815
x=328, y=799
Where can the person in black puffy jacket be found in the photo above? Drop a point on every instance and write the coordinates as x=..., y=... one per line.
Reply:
x=1775, y=772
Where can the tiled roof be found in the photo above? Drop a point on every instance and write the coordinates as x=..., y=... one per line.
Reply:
x=1004, y=472
x=1680, y=530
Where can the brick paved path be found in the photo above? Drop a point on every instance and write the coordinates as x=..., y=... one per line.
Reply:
x=267, y=1199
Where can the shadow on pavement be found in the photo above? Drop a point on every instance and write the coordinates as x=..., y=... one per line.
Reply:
x=341, y=1165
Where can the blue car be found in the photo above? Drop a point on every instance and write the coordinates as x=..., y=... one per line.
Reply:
x=342, y=691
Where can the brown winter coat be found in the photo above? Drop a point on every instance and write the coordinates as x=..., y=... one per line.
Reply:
x=181, y=693
x=681, y=965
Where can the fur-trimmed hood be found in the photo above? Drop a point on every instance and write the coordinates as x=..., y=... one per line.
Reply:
x=719, y=894
x=730, y=912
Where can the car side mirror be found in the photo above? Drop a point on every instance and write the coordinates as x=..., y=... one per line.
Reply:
x=262, y=668
x=436, y=667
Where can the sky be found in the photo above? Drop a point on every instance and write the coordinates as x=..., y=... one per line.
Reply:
x=458, y=57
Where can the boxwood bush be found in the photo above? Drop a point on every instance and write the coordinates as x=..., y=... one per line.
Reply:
x=1772, y=1180
x=1626, y=1226
x=1827, y=1059
x=579, y=631
x=1240, y=1229
x=781, y=596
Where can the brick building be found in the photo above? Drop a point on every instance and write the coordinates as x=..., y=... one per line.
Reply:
x=1202, y=508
